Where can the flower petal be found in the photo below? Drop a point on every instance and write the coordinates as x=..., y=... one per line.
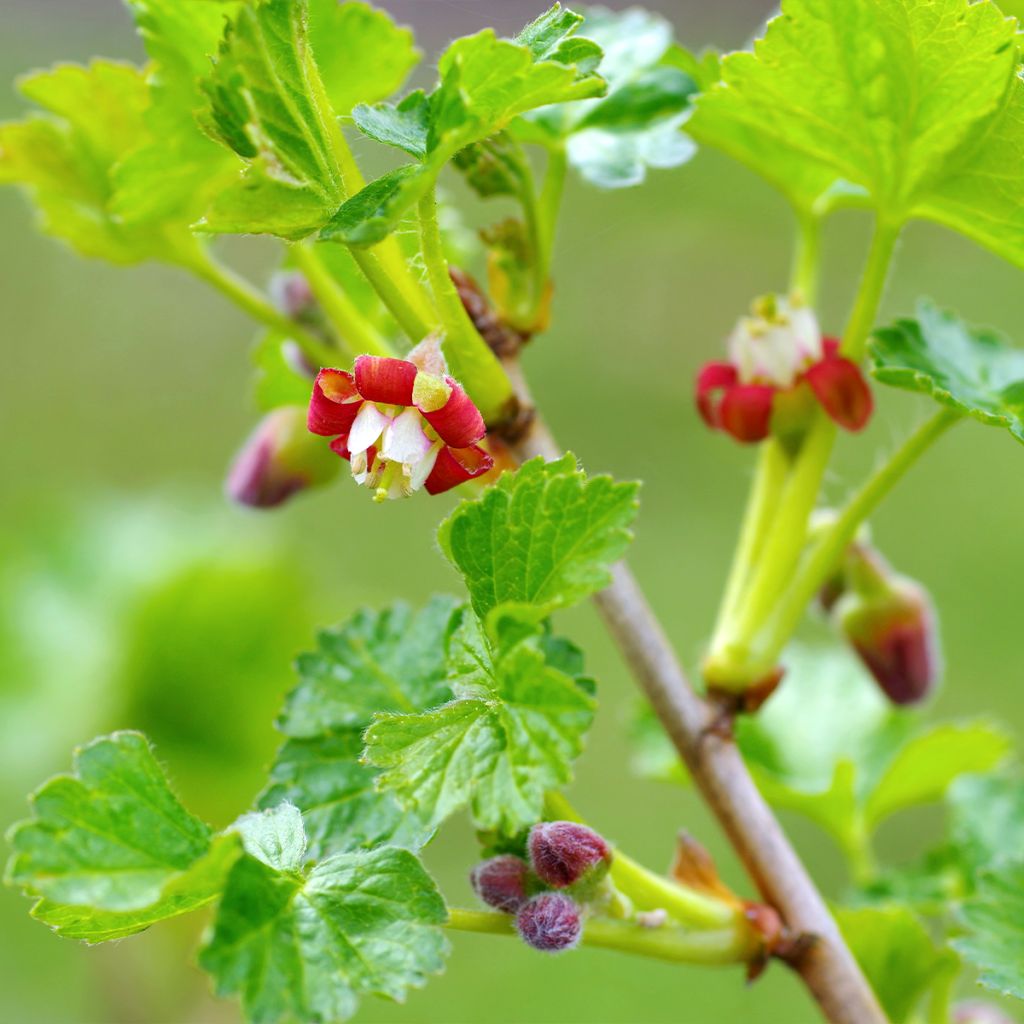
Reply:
x=334, y=403
x=386, y=380
x=404, y=439
x=746, y=412
x=842, y=390
x=714, y=377
x=458, y=422
x=455, y=466
x=340, y=446
x=424, y=467
x=366, y=428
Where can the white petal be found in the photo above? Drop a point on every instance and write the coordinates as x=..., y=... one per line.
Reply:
x=369, y=424
x=404, y=439
x=421, y=470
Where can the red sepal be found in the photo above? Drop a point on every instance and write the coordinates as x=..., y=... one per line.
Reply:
x=713, y=378
x=385, y=380
x=455, y=466
x=458, y=422
x=340, y=447
x=334, y=403
x=746, y=412
x=841, y=389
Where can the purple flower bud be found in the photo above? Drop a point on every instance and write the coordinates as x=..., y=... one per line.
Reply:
x=291, y=294
x=279, y=458
x=550, y=922
x=563, y=852
x=893, y=629
x=501, y=882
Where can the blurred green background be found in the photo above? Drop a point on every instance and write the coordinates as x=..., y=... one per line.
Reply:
x=132, y=595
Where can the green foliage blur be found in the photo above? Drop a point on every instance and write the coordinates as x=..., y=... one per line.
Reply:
x=133, y=595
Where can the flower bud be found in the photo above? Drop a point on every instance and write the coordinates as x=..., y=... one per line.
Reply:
x=550, y=922
x=291, y=294
x=977, y=1011
x=279, y=458
x=501, y=882
x=892, y=627
x=563, y=852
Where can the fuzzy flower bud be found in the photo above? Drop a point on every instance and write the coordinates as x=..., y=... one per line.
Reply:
x=550, y=922
x=563, y=852
x=291, y=294
x=501, y=882
x=279, y=459
x=892, y=627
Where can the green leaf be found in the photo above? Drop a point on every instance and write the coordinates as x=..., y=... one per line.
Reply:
x=342, y=807
x=362, y=55
x=68, y=161
x=511, y=734
x=110, y=849
x=879, y=94
x=267, y=103
x=987, y=819
x=174, y=170
x=544, y=536
x=897, y=954
x=994, y=919
x=305, y=945
x=485, y=83
x=974, y=371
x=392, y=660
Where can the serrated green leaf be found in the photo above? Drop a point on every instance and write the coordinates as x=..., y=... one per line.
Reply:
x=994, y=919
x=896, y=953
x=544, y=536
x=342, y=807
x=876, y=93
x=362, y=55
x=974, y=371
x=392, y=660
x=511, y=734
x=987, y=819
x=110, y=849
x=268, y=104
x=405, y=125
x=306, y=945
x=68, y=161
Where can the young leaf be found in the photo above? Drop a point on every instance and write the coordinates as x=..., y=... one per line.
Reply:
x=974, y=371
x=543, y=536
x=875, y=93
x=68, y=162
x=896, y=953
x=306, y=944
x=511, y=734
x=110, y=849
x=986, y=819
x=995, y=937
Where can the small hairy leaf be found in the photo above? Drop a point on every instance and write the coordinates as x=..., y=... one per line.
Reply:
x=510, y=735
x=305, y=945
x=994, y=919
x=544, y=536
x=110, y=849
x=971, y=370
x=896, y=953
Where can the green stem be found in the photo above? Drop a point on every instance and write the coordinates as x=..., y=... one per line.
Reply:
x=807, y=258
x=709, y=948
x=548, y=207
x=354, y=332
x=251, y=301
x=651, y=891
x=822, y=559
x=468, y=355
x=865, y=309
x=392, y=295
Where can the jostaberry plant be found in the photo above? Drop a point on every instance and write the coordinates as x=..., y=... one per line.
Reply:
x=377, y=350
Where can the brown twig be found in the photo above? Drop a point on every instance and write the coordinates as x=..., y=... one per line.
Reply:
x=820, y=955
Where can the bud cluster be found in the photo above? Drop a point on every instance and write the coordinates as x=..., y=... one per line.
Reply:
x=547, y=893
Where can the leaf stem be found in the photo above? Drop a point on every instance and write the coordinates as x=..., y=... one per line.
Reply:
x=392, y=295
x=807, y=258
x=872, y=285
x=468, y=355
x=821, y=560
x=709, y=948
x=253, y=302
x=355, y=333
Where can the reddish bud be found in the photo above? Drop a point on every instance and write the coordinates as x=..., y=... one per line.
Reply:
x=291, y=294
x=501, y=882
x=279, y=458
x=550, y=922
x=893, y=629
x=563, y=852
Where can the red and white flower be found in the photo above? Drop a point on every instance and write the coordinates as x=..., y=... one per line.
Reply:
x=774, y=355
x=400, y=427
